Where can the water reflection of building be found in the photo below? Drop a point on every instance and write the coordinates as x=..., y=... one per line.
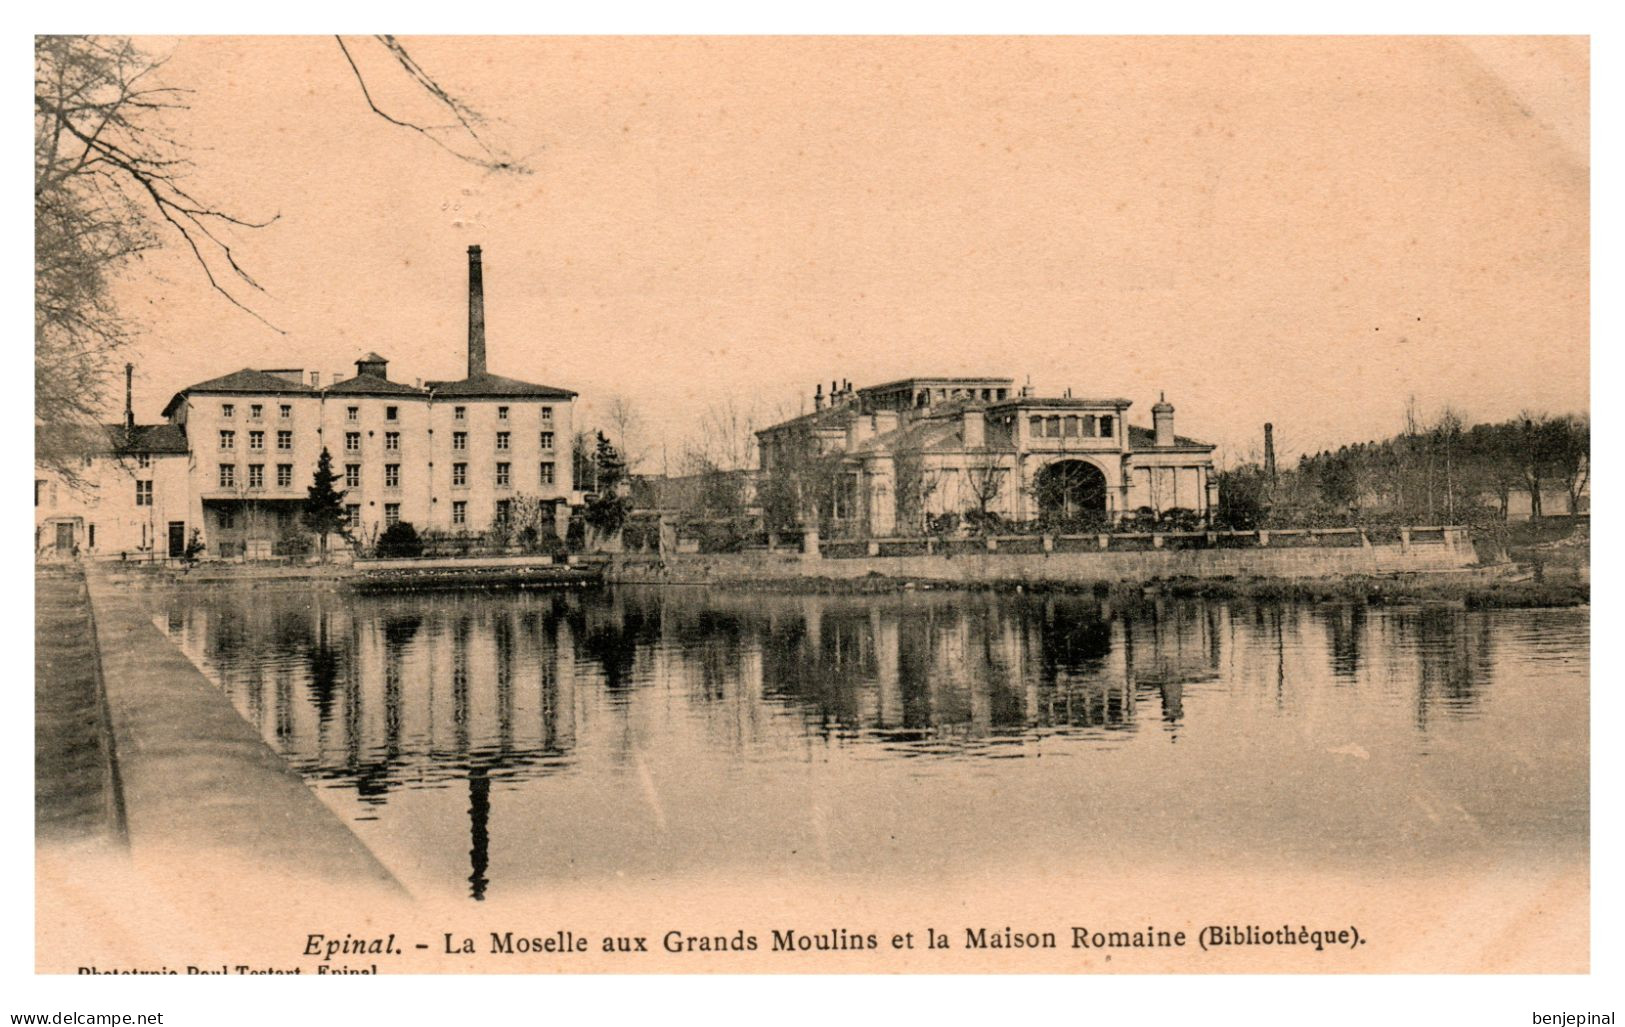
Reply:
x=433, y=684
x=378, y=695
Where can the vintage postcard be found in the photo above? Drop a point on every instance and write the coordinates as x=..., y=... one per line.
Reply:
x=784, y=505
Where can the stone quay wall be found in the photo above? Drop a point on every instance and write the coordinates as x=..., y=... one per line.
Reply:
x=1055, y=560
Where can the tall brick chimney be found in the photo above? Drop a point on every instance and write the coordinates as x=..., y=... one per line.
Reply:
x=129, y=402
x=476, y=314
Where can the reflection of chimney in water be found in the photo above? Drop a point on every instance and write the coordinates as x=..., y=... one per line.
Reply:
x=479, y=831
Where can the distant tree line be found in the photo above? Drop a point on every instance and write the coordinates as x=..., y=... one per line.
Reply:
x=1443, y=471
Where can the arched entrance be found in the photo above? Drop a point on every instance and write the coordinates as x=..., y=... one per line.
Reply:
x=1070, y=491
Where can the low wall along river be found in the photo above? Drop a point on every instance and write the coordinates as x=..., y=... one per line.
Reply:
x=1071, y=559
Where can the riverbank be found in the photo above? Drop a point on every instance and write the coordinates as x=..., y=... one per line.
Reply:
x=75, y=788
x=1492, y=588
x=199, y=789
x=496, y=573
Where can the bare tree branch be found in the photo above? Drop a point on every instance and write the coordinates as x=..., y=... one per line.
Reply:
x=466, y=117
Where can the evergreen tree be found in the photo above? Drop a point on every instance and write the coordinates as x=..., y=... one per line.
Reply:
x=607, y=507
x=324, y=505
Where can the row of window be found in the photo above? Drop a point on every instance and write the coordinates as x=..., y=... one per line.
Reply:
x=352, y=441
x=1072, y=426
x=392, y=512
x=228, y=479
x=256, y=412
x=546, y=474
x=256, y=440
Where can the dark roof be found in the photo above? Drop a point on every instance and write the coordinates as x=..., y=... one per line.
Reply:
x=830, y=417
x=245, y=382
x=1146, y=439
x=249, y=380
x=494, y=386
x=148, y=438
x=372, y=385
x=930, y=435
x=105, y=439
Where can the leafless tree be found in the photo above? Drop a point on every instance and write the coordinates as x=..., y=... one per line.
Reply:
x=1447, y=431
x=111, y=182
x=915, y=485
x=624, y=425
x=726, y=436
x=1572, y=455
x=461, y=136
x=984, y=480
x=107, y=176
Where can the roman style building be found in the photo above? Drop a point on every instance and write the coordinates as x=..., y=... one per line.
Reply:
x=921, y=447
x=237, y=454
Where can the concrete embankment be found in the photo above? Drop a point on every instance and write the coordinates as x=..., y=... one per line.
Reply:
x=197, y=781
x=75, y=788
x=994, y=567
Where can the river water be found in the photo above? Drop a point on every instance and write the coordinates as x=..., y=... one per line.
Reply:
x=490, y=744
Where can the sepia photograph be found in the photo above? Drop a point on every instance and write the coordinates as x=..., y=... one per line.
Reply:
x=812, y=505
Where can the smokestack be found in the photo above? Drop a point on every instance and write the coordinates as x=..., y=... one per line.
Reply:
x=818, y=397
x=129, y=404
x=1269, y=450
x=476, y=314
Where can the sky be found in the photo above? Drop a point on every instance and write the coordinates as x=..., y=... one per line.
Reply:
x=1303, y=231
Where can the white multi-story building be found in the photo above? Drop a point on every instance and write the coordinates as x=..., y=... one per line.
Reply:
x=239, y=453
x=125, y=499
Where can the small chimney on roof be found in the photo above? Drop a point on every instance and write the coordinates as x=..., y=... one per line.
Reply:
x=1162, y=420
x=129, y=403
x=374, y=365
x=974, y=428
x=818, y=397
x=476, y=314
x=315, y=379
